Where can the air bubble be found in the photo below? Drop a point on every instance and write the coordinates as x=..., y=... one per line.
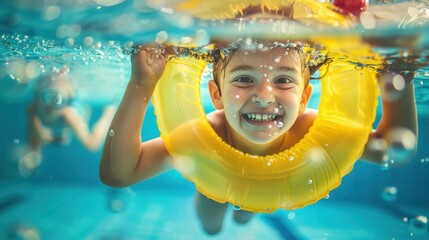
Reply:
x=111, y=133
x=418, y=225
x=161, y=37
x=236, y=207
x=291, y=215
x=390, y=194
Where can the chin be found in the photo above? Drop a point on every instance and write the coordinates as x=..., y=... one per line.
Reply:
x=261, y=140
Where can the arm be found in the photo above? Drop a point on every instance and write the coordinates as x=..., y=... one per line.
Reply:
x=396, y=135
x=125, y=159
x=91, y=140
x=35, y=132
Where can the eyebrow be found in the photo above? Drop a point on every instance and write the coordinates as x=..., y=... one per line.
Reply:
x=250, y=68
x=242, y=68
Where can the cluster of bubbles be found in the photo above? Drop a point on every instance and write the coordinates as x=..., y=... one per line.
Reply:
x=24, y=58
x=417, y=225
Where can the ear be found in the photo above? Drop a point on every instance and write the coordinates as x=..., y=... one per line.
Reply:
x=306, y=94
x=215, y=95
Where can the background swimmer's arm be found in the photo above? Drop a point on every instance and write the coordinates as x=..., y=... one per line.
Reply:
x=392, y=140
x=126, y=160
x=35, y=131
x=92, y=140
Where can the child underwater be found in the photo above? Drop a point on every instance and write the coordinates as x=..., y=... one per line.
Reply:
x=259, y=110
x=55, y=115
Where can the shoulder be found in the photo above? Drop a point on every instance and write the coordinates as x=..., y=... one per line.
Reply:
x=308, y=116
x=310, y=113
x=304, y=122
x=217, y=120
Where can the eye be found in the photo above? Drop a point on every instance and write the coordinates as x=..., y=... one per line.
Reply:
x=283, y=80
x=243, y=81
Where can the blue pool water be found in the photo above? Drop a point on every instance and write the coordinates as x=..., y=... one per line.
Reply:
x=64, y=199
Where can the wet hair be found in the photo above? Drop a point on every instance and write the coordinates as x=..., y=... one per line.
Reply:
x=220, y=62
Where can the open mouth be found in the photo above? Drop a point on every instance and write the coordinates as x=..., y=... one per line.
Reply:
x=262, y=118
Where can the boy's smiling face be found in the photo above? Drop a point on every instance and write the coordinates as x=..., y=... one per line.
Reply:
x=262, y=93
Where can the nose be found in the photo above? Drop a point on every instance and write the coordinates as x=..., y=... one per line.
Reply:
x=264, y=95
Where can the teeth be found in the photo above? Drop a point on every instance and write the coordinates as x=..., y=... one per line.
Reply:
x=261, y=117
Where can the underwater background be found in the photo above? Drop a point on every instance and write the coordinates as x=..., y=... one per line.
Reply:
x=64, y=198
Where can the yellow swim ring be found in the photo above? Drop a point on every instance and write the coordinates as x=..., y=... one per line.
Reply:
x=308, y=12
x=294, y=178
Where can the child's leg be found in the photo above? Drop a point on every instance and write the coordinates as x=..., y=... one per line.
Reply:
x=242, y=216
x=210, y=213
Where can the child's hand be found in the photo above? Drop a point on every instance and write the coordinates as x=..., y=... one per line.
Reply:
x=148, y=64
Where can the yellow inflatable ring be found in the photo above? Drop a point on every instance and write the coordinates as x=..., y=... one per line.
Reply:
x=294, y=178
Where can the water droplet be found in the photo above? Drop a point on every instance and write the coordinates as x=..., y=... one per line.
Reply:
x=277, y=60
x=310, y=181
x=327, y=196
x=276, y=110
x=111, y=133
x=291, y=158
x=280, y=124
x=237, y=96
x=16, y=141
x=269, y=163
x=270, y=68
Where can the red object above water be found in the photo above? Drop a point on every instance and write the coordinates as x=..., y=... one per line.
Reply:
x=354, y=7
